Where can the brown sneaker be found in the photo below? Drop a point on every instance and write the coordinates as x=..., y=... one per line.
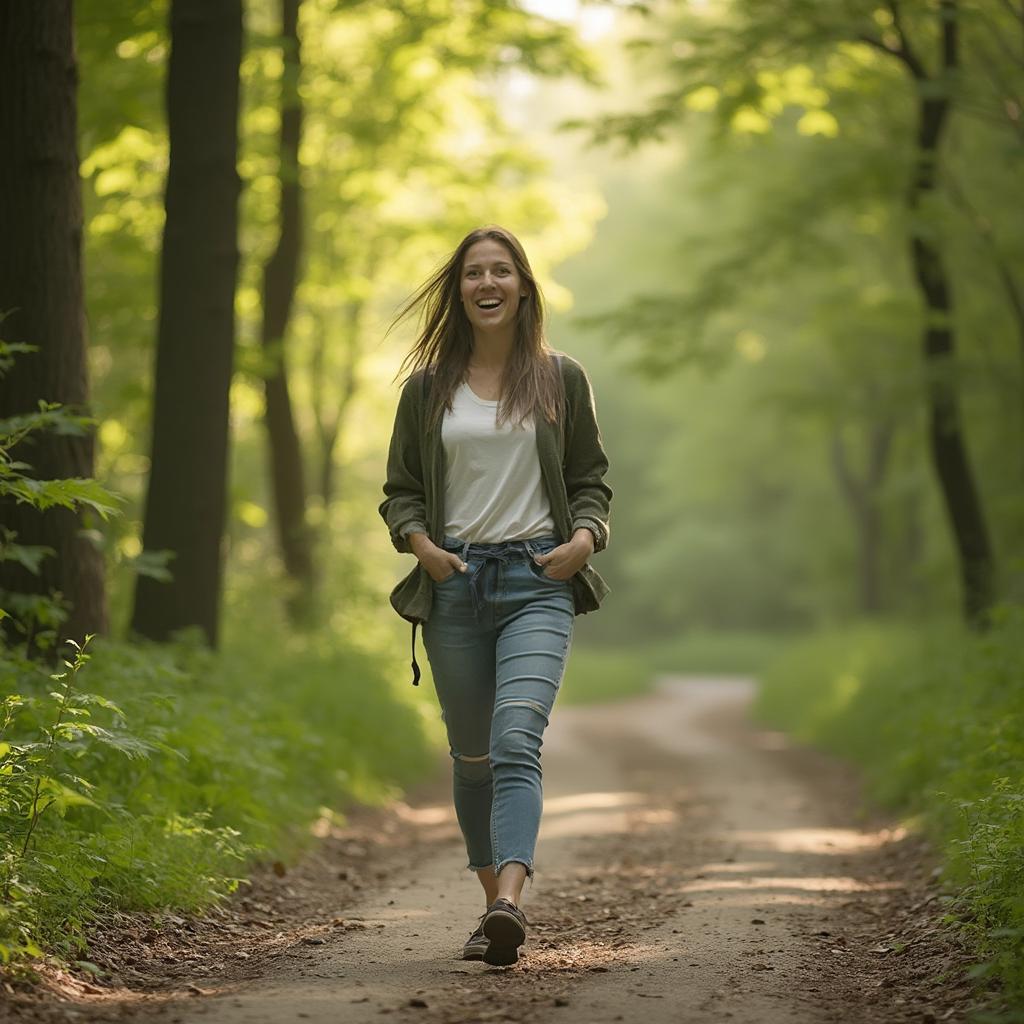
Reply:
x=476, y=945
x=504, y=925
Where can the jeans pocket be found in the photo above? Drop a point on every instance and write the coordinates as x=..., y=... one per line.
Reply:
x=538, y=571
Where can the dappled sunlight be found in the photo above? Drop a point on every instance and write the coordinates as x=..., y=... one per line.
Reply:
x=818, y=840
x=596, y=813
x=821, y=883
x=592, y=801
x=434, y=814
x=739, y=867
x=656, y=816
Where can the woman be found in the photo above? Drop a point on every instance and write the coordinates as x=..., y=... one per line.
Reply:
x=495, y=482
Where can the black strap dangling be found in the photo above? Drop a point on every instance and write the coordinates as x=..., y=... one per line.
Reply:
x=415, y=667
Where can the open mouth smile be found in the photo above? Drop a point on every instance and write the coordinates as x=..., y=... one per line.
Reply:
x=488, y=303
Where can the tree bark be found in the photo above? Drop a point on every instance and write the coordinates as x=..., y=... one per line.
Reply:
x=185, y=504
x=328, y=427
x=280, y=276
x=41, y=296
x=861, y=496
x=948, y=448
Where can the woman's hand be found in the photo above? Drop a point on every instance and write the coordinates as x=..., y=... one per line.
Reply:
x=440, y=564
x=563, y=562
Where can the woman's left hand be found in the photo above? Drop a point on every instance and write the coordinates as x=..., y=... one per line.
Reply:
x=563, y=562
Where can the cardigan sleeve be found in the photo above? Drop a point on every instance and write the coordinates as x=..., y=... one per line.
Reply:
x=404, y=508
x=585, y=461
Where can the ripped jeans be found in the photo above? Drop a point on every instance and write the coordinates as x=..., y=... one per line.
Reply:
x=497, y=640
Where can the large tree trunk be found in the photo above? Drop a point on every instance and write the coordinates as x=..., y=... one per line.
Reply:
x=279, y=280
x=41, y=294
x=946, y=439
x=195, y=346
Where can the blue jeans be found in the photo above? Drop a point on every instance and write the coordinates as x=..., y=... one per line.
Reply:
x=497, y=640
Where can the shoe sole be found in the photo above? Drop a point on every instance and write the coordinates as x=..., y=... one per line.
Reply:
x=506, y=934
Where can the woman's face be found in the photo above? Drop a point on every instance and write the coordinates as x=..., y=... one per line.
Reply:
x=491, y=286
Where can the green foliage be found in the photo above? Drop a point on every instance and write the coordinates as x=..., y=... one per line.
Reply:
x=935, y=717
x=783, y=237
x=152, y=778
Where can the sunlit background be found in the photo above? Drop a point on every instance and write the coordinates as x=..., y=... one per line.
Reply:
x=748, y=249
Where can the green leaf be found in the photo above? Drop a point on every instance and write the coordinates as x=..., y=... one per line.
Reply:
x=63, y=797
x=30, y=556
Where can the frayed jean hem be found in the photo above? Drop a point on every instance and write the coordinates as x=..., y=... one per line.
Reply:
x=515, y=860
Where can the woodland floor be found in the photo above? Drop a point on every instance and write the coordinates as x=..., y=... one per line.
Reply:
x=691, y=868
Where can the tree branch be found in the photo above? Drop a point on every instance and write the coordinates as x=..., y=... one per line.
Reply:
x=906, y=51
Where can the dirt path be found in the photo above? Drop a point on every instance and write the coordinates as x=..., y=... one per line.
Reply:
x=690, y=868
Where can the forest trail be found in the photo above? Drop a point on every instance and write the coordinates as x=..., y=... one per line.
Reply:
x=691, y=868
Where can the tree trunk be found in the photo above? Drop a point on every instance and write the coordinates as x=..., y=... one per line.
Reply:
x=948, y=448
x=329, y=427
x=861, y=496
x=279, y=280
x=185, y=504
x=41, y=296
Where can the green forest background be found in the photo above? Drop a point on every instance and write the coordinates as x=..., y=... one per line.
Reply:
x=782, y=296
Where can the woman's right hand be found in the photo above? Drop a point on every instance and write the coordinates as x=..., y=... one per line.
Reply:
x=440, y=564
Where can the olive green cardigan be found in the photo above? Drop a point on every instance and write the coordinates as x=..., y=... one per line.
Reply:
x=572, y=466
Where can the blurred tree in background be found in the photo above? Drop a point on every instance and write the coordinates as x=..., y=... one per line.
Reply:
x=854, y=241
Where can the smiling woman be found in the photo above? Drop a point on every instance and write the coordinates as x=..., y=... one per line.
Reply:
x=495, y=482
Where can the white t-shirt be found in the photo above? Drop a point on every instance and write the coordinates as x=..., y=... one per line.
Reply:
x=493, y=487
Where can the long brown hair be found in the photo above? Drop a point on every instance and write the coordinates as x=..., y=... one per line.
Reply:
x=530, y=383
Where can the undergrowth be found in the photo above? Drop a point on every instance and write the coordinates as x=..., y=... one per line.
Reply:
x=151, y=777
x=935, y=717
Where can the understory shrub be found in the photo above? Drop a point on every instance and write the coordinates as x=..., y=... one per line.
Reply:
x=150, y=777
